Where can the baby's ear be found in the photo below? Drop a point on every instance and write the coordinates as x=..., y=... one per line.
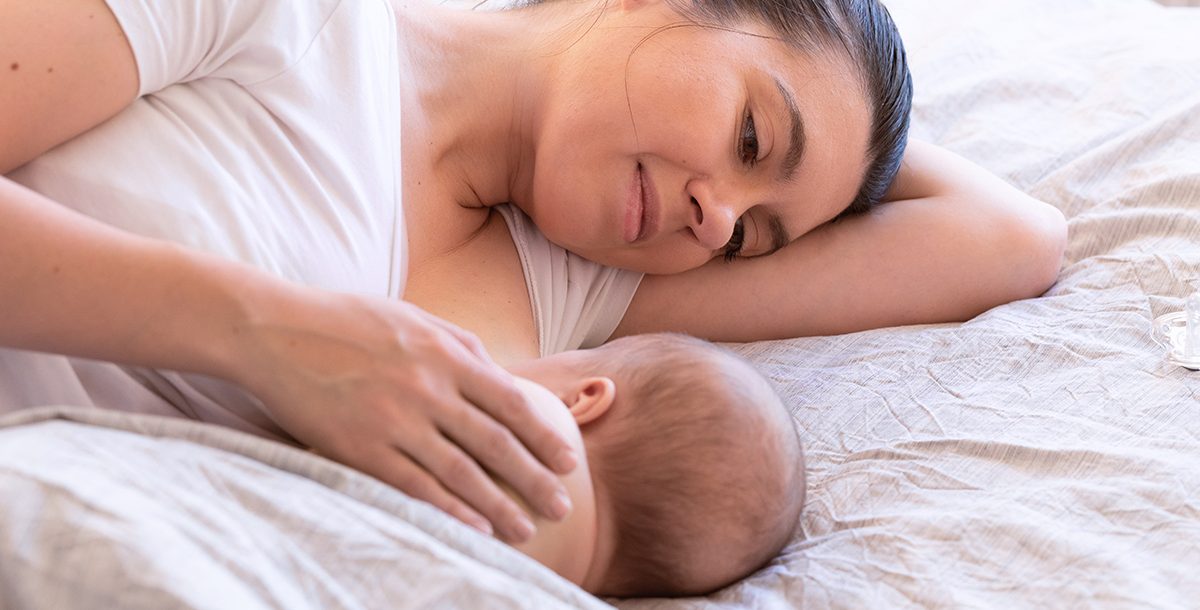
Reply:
x=589, y=398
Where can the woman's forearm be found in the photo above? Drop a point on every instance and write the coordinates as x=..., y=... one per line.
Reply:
x=74, y=286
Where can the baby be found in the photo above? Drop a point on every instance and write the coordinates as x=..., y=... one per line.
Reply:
x=691, y=473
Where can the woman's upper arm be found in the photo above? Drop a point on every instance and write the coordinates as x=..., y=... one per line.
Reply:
x=958, y=242
x=65, y=67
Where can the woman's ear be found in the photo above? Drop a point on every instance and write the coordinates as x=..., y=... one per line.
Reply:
x=589, y=398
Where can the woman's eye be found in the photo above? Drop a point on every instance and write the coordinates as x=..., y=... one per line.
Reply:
x=734, y=248
x=748, y=141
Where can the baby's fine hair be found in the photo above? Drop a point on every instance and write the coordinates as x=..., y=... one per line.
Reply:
x=701, y=464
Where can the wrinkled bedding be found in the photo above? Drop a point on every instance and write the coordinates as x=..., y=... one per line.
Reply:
x=1044, y=454
x=106, y=509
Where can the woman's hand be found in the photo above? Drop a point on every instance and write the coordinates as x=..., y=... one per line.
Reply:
x=408, y=398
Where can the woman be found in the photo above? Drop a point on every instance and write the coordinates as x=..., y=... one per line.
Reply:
x=274, y=142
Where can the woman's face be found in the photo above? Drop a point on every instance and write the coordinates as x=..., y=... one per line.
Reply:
x=657, y=140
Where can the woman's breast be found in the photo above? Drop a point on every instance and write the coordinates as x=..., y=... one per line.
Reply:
x=473, y=278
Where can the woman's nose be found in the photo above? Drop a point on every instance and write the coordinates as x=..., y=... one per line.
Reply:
x=712, y=217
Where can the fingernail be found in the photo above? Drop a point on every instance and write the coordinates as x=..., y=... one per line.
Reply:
x=483, y=526
x=565, y=461
x=523, y=530
x=560, y=506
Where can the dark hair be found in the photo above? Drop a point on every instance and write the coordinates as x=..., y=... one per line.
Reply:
x=864, y=33
x=701, y=466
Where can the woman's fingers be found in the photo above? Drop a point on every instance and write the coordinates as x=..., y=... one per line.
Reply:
x=399, y=471
x=497, y=449
x=495, y=425
x=463, y=476
x=423, y=463
x=506, y=448
x=493, y=390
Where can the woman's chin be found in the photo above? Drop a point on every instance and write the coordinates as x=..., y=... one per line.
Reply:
x=642, y=261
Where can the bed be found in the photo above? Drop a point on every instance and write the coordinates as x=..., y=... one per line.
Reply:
x=1043, y=454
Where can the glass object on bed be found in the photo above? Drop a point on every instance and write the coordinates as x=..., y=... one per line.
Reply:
x=1191, y=342
x=1179, y=332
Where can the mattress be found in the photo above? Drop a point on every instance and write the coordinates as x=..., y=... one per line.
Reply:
x=1043, y=454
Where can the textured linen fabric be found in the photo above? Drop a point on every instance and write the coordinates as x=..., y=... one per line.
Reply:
x=1043, y=454
x=221, y=152
x=576, y=303
x=136, y=511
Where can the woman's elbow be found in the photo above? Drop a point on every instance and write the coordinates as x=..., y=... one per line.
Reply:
x=1039, y=241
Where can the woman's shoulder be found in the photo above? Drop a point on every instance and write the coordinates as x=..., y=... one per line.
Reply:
x=240, y=40
x=276, y=147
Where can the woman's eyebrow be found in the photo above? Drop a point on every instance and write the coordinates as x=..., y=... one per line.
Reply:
x=795, y=151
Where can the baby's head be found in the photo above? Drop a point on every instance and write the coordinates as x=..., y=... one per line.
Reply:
x=692, y=475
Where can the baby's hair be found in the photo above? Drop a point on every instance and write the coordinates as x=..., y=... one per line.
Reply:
x=701, y=465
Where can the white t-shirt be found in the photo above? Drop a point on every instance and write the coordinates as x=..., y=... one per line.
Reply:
x=265, y=131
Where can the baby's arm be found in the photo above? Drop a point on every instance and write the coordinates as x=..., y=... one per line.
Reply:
x=953, y=242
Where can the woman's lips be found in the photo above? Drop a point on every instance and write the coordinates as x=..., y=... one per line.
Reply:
x=641, y=214
x=635, y=207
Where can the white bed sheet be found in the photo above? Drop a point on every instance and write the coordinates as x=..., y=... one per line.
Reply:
x=106, y=509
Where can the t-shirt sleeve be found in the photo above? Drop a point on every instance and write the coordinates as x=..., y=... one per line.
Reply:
x=246, y=41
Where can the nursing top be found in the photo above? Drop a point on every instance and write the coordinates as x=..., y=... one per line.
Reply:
x=576, y=303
